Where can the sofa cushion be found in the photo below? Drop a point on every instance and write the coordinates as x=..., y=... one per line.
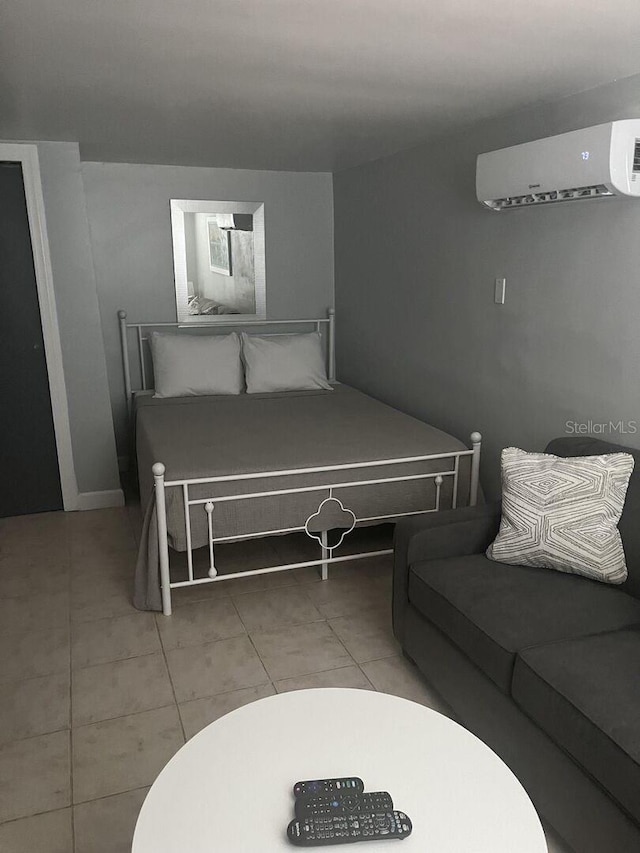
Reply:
x=492, y=610
x=585, y=694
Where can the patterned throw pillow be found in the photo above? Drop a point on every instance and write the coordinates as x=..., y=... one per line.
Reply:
x=563, y=513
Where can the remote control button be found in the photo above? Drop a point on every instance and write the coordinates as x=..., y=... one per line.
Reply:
x=342, y=803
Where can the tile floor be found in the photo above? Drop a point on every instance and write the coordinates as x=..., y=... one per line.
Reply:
x=96, y=697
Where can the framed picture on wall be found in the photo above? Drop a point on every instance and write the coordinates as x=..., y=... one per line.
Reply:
x=219, y=247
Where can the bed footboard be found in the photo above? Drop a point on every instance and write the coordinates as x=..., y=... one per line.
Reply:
x=329, y=524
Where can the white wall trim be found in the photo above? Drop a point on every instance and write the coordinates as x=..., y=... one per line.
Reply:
x=27, y=156
x=100, y=500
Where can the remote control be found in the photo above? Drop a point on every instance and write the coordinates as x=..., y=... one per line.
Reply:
x=324, y=805
x=350, y=784
x=346, y=829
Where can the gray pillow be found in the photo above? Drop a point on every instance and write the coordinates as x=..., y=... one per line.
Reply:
x=562, y=513
x=284, y=363
x=190, y=365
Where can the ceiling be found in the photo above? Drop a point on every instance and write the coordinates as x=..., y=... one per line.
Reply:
x=314, y=85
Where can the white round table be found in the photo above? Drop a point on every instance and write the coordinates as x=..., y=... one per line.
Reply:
x=229, y=789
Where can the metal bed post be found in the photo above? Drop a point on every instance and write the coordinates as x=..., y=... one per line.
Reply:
x=326, y=553
x=122, y=317
x=143, y=371
x=331, y=343
x=163, y=544
x=476, y=441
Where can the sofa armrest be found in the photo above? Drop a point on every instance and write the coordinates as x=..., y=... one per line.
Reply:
x=438, y=535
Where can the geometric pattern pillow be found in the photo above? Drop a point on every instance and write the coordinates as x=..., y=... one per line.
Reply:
x=562, y=513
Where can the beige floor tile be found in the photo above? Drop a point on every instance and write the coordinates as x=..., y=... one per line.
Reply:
x=34, y=707
x=198, y=671
x=54, y=550
x=357, y=571
x=198, y=623
x=123, y=754
x=27, y=575
x=258, y=583
x=199, y=592
x=107, y=531
x=96, y=596
x=261, y=611
x=34, y=653
x=115, y=638
x=199, y=713
x=98, y=564
x=50, y=832
x=34, y=775
x=398, y=676
x=21, y=616
x=345, y=676
x=107, y=825
x=360, y=570
x=367, y=634
x=300, y=649
x=49, y=523
x=39, y=535
x=119, y=667
x=119, y=688
x=309, y=574
x=343, y=596
x=101, y=570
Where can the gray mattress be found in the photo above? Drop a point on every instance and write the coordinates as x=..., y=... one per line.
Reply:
x=199, y=437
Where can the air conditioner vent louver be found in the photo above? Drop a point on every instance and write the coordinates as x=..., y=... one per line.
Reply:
x=636, y=157
x=548, y=197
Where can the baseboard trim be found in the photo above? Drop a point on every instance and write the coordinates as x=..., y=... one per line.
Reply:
x=100, y=500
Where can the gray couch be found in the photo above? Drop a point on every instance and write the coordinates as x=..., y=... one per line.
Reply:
x=543, y=666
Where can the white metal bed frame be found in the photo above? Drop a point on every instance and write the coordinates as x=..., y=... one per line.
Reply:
x=208, y=503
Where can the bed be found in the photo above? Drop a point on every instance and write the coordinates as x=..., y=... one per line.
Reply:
x=225, y=468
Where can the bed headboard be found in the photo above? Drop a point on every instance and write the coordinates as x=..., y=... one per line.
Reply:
x=321, y=325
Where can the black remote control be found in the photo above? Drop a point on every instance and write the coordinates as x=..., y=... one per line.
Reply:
x=360, y=826
x=350, y=784
x=324, y=805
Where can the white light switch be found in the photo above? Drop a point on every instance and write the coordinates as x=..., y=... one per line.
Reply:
x=501, y=285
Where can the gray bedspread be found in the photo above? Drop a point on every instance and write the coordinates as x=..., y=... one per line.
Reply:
x=228, y=435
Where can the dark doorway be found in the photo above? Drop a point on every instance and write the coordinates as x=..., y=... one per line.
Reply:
x=29, y=474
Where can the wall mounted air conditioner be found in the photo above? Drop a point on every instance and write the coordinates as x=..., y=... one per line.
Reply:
x=596, y=162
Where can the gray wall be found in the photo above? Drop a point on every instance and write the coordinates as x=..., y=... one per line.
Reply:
x=128, y=209
x=416, y=259
x=78, y=318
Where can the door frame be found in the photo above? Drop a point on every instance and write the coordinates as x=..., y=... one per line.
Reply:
x=27, y=155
